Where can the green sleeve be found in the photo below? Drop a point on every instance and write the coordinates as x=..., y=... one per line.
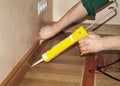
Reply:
x=92, y=5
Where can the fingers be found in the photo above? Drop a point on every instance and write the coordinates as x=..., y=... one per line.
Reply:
x=83, y=46
x=38, y=37
x=84, y=50
x=41, y=41
x=90, y=44
x=41, y=35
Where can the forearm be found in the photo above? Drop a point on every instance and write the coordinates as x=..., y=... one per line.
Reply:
x=111, y=43
x=75, y=13
x=79, y=11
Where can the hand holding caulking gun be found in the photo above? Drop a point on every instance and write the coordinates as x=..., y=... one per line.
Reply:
x=78, y=34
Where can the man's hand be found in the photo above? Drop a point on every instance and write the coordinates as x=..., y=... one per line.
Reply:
x=47, y=32
x=90, y=44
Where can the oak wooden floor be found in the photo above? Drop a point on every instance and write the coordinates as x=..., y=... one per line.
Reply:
x=67, y=69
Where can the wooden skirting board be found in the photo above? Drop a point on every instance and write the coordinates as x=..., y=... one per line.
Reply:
x=17, y=74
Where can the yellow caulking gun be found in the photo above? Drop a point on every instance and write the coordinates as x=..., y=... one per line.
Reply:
x=78, y=34
x=63, y=45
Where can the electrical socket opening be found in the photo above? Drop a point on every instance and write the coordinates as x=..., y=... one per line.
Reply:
x=42, y=6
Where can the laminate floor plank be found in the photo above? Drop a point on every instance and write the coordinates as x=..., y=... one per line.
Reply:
x=102, y=80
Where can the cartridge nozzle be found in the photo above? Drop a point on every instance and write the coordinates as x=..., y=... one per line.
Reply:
x=39, y=61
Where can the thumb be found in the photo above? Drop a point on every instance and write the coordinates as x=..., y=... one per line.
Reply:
x=41, y=41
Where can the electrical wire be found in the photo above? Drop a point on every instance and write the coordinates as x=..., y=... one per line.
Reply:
x=102, y=69
x=108, y=75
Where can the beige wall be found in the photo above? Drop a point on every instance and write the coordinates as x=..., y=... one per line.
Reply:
x=60, y=7
x=19, y=25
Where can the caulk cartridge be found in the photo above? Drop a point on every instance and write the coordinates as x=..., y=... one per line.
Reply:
x=66, y=43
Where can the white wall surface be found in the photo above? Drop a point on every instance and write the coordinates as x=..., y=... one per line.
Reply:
x=19, y=26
